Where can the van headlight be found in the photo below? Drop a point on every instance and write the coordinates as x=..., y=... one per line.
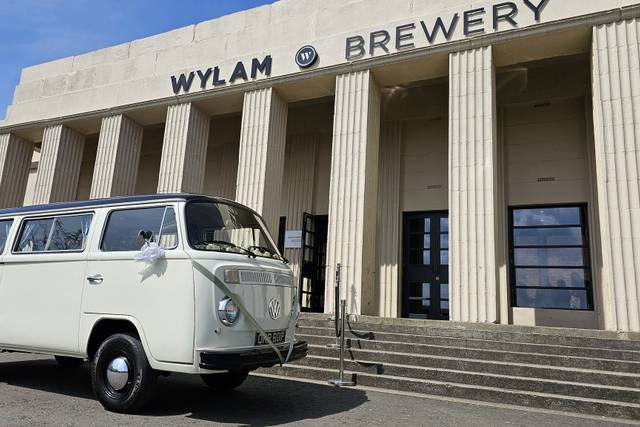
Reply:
x=228, y=312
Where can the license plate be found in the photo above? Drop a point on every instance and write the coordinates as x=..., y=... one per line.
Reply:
x=276, y=337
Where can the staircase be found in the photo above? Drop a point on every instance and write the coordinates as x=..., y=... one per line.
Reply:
x=587, y=372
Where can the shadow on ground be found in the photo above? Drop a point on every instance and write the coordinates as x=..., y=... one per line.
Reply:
x=259, y=402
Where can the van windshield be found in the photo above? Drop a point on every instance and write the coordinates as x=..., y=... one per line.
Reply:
x=220, y=227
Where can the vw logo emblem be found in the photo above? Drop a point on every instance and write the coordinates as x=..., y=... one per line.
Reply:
x=306, y=56
x=275, y=308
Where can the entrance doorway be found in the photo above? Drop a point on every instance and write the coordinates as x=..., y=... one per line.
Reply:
x=425, y=287
x=314, y=262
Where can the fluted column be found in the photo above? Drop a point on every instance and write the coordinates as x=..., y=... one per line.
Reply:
x=15, y=162
x=298, y=187
x=59, y=167
x=116, y=167
x=616, y=105
x=389, y=221
x=472, y=186
x=353, y=192
x=184, y=150
x=262, y=150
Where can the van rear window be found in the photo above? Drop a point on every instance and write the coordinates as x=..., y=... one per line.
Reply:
x=129, y=229
x=56, y=234
x=5, y=227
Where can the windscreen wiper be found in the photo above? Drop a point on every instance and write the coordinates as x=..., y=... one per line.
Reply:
x=264, y=249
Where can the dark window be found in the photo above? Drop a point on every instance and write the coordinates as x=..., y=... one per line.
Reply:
x=282, y=230
x=5, y=227
x=57, y=234
x=129, y=229
x=550, y=258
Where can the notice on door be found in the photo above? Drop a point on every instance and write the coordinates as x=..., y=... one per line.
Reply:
x=293, y=239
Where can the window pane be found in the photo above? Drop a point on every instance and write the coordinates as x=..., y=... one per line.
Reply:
x=169, y=232
x=444, y=241
x=551, y=277
x=444, y=257
x=70, y=233
x=444, y=291
x=420, y=241
x=35, y=235
x=548, y=236
x=420, y=290
x=444, y=225
x=420, y=225
x=564, y=257
x=444, y=305
x=5, y=227
x=420, y=257
x=127, y=229
x=546, y=216
x=552, y=298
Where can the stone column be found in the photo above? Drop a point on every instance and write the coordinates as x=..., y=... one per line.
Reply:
x=473, y=186
x=184, y=150
x=59, y=167
x=353, y=192
x=262, y=149
x=15, y=163
x=116, y=167
x=389, y=219
x=616, y=105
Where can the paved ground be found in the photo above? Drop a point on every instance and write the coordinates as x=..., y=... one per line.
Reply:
x=35, y=391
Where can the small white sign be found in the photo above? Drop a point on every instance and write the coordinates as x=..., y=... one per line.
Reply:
x=293, y=239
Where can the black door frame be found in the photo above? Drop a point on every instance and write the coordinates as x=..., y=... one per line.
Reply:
x=313, y=270
x=436, y=273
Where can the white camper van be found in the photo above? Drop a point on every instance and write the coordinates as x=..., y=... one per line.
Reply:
x=146, y=285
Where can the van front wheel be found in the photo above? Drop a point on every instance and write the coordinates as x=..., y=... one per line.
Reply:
x=225, y=381
x=122, y=379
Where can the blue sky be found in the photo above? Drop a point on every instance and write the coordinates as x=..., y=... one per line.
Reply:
x=36, y=31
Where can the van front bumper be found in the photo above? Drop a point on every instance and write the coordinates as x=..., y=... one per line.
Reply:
x=249, y=360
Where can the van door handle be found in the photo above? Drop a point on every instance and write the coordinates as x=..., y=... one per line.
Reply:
x=95, y=280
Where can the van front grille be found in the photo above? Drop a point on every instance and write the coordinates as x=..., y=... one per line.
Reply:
x=256, y=277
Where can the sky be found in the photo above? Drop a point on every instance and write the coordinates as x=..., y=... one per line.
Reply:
x=37, y=31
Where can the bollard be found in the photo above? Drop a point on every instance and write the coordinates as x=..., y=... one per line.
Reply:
x=341, y=382
x=336, y=306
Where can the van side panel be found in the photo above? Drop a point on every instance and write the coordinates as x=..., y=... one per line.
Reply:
x=40, y=299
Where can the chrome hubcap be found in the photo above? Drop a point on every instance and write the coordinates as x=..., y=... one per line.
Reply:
x=118, y=373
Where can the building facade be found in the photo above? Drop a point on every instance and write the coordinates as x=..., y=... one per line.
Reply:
x=472, y=161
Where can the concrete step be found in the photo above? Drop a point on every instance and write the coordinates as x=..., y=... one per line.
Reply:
x=581, y=405
x=618, y=394
x=532, y=370
x=456, y=349
x=505, y=333
x=524, y=347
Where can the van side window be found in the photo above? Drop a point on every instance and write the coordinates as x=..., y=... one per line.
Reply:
x=57, y=234
x=5, y=227
x=129, y=229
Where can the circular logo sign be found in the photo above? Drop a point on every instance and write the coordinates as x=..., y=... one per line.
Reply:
x=274, y=308
x=306, y=56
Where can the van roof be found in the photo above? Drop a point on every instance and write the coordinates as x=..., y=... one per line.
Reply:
x=110, y=201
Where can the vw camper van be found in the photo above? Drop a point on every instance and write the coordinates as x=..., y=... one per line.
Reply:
x=144, y=286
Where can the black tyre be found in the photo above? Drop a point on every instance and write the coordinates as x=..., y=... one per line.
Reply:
x=122, y=379
x=69, y=362
x=225, y=381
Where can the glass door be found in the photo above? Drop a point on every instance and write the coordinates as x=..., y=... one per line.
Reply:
x=314, y=260
x=426, y=266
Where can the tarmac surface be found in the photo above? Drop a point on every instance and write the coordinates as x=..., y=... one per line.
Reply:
x=34, y=390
